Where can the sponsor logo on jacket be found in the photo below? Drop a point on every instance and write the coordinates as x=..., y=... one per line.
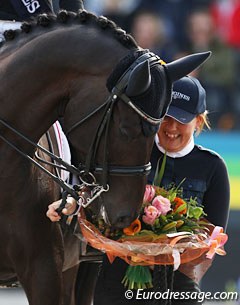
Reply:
x=31, y=5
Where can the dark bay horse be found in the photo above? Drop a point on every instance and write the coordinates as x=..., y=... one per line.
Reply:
x=58, y=67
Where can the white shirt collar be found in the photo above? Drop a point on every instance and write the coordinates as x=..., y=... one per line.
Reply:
x=186, y=150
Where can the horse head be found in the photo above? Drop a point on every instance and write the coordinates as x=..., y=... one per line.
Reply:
x=148, y=94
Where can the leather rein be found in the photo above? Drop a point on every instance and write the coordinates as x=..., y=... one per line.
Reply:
x=85, y=171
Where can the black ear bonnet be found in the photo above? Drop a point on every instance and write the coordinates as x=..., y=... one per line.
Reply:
x=157, y=97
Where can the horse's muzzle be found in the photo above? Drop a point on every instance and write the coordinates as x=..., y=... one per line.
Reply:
x=122, y=222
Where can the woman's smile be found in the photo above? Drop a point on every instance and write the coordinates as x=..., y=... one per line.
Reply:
x=174, y=136
x=171, y=135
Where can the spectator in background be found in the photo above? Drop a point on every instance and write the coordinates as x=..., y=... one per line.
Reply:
x=120, y=11
x=226, y=16
x=149, y=30
x=68, y=5
x=175, y=12
x=218, y=74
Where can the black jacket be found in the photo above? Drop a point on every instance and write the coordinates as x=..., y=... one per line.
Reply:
x=205, y=177
x=21, y=10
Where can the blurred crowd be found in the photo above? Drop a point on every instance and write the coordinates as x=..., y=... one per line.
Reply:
x=174, y=28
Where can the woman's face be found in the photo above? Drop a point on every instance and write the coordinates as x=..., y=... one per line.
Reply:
x=174, y=136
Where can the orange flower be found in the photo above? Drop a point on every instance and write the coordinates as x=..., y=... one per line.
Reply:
x=180, y=203
x=134, y=228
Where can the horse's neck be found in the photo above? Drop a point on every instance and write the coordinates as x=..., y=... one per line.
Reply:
x=45, y=71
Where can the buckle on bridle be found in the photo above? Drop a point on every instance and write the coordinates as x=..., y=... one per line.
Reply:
x=95, y=193
x=90, y=187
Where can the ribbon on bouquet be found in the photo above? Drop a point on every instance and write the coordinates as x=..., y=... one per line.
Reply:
x=216, y=240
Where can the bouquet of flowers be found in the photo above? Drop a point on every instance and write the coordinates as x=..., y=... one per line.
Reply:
x=168, y=231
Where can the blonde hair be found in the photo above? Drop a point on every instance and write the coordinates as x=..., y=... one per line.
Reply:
x=205, y=122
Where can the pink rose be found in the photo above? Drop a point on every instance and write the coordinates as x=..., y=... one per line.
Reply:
x=149, y=193
x=162, y=204
x=151, y=214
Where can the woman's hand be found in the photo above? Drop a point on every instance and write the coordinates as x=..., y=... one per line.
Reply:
x=68, y=210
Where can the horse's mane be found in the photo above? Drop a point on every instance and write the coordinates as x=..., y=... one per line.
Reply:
x=47, y=21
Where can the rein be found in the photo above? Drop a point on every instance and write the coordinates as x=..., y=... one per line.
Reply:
x=64, y=165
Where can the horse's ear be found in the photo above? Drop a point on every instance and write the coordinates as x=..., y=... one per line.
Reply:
x=139, y=79
x=183, y=66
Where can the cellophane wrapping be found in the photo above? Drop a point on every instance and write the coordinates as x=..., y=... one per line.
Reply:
x=187, y=252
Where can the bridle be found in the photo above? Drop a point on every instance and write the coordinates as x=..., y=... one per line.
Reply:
x=118, y=93
x=86, y=172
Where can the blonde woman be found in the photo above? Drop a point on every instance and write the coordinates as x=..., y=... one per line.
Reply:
x=205, y=177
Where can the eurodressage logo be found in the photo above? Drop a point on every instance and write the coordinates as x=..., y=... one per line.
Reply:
x=31, y=5
x=180, y=96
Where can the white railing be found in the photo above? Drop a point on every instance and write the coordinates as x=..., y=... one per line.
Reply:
x=8, y=25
